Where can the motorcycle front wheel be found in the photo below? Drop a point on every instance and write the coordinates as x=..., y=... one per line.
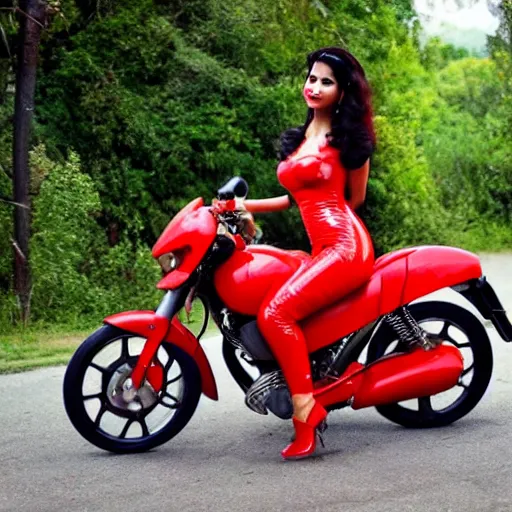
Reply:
x=108, y=415
x=459, y=327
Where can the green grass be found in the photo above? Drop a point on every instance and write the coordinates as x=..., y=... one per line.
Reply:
x=38, y=346
x=28, y=349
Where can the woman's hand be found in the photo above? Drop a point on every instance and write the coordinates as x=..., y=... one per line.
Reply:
x=220, y=206
x=357, y=182
x=234, y=212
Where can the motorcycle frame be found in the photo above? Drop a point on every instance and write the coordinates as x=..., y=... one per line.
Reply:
x=163, y=326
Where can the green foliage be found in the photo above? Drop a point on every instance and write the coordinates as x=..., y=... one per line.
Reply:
x=75, y=271
x=471, y=85
x=124, y=277
x=64, y=231
x=401, y=190
x=143, y=105
x=6, y=213
x=436, y=55
x=467, y=143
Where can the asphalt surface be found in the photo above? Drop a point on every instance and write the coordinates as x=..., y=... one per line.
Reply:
x=227, y=458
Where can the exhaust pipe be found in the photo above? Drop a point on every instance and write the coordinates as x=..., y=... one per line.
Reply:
x=395, y=378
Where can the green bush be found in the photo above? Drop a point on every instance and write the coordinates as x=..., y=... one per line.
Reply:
x=142, y=106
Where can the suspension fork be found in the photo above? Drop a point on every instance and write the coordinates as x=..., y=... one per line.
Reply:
x=152, y=325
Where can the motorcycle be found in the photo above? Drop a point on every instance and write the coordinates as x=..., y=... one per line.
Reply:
x=136, y=382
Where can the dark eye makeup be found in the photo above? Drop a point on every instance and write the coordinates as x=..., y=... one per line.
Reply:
x=325, y=81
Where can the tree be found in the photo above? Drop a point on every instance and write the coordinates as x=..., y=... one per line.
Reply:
x=33, y=16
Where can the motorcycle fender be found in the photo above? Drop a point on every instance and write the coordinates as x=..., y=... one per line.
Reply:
x=157, y=329
x=180, y=336
x=482, y=295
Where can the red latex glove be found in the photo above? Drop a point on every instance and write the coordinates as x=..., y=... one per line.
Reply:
x=221, y=206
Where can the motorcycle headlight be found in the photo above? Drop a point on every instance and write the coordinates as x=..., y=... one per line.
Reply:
x=168, y=262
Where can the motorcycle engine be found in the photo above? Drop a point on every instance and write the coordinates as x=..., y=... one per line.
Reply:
x=270, y=392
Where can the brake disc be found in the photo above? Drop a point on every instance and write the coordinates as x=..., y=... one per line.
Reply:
x=122, y=394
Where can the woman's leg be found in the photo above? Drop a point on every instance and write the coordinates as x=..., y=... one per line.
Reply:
x=322, y=281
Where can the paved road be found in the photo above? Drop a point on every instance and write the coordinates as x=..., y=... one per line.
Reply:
x=228, y=457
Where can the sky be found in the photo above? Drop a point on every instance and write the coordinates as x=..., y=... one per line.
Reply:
x=464, y=23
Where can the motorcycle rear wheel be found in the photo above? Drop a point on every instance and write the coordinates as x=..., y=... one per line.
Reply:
x=108, y=399
x=480, y=370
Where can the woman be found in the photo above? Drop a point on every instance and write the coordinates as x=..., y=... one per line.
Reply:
x=321, y=162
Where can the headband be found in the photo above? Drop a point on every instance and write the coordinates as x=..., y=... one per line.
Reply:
x=339, y=60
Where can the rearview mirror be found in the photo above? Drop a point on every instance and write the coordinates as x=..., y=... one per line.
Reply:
x=235, y=187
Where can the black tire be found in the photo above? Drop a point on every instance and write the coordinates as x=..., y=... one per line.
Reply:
x=75, y=404
x=478, y=342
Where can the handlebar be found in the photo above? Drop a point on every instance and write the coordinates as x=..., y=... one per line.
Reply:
x=236, y=220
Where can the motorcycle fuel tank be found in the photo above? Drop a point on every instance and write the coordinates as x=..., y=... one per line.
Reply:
x=249, y=275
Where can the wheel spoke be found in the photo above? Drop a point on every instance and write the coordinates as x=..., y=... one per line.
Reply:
x=462, y=345
x=175, y=379
x=169, y=406
x=467, y=370
x=168, y=365
x=444, y=331
x=90, y=397
x=101, y=412
x=97, y=367
x=125, y=353
x=462, y=384
x=128, y=424
x=176, y=403
x=425, y=406
x=145, y=430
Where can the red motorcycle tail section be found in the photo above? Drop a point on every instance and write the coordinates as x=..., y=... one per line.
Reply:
x=399, y=278
x=396, y=378
x=157, y=329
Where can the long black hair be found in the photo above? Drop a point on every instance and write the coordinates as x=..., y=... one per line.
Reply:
x=351, y=124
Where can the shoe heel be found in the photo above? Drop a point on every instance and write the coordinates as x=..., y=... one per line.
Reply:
x=306, y=433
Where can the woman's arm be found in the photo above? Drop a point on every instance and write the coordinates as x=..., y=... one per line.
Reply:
x=357, y=181
x=272, y=204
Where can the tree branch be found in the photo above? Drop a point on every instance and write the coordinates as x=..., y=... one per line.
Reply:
x=17, y=249
x=17, y=9
x=10, y=201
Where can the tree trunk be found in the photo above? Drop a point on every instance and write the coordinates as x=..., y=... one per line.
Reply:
x=32, y=19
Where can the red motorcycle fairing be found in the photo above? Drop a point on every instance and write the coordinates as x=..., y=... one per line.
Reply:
x=244, y=280
x=157, y=329
x=400, y=278
x=189, y=234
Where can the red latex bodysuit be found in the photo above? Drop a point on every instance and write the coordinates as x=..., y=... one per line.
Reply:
x=342, y=260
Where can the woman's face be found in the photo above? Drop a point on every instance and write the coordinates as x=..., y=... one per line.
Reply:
x=321, y=90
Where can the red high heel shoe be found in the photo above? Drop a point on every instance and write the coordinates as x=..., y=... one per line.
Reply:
x=305, y=434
